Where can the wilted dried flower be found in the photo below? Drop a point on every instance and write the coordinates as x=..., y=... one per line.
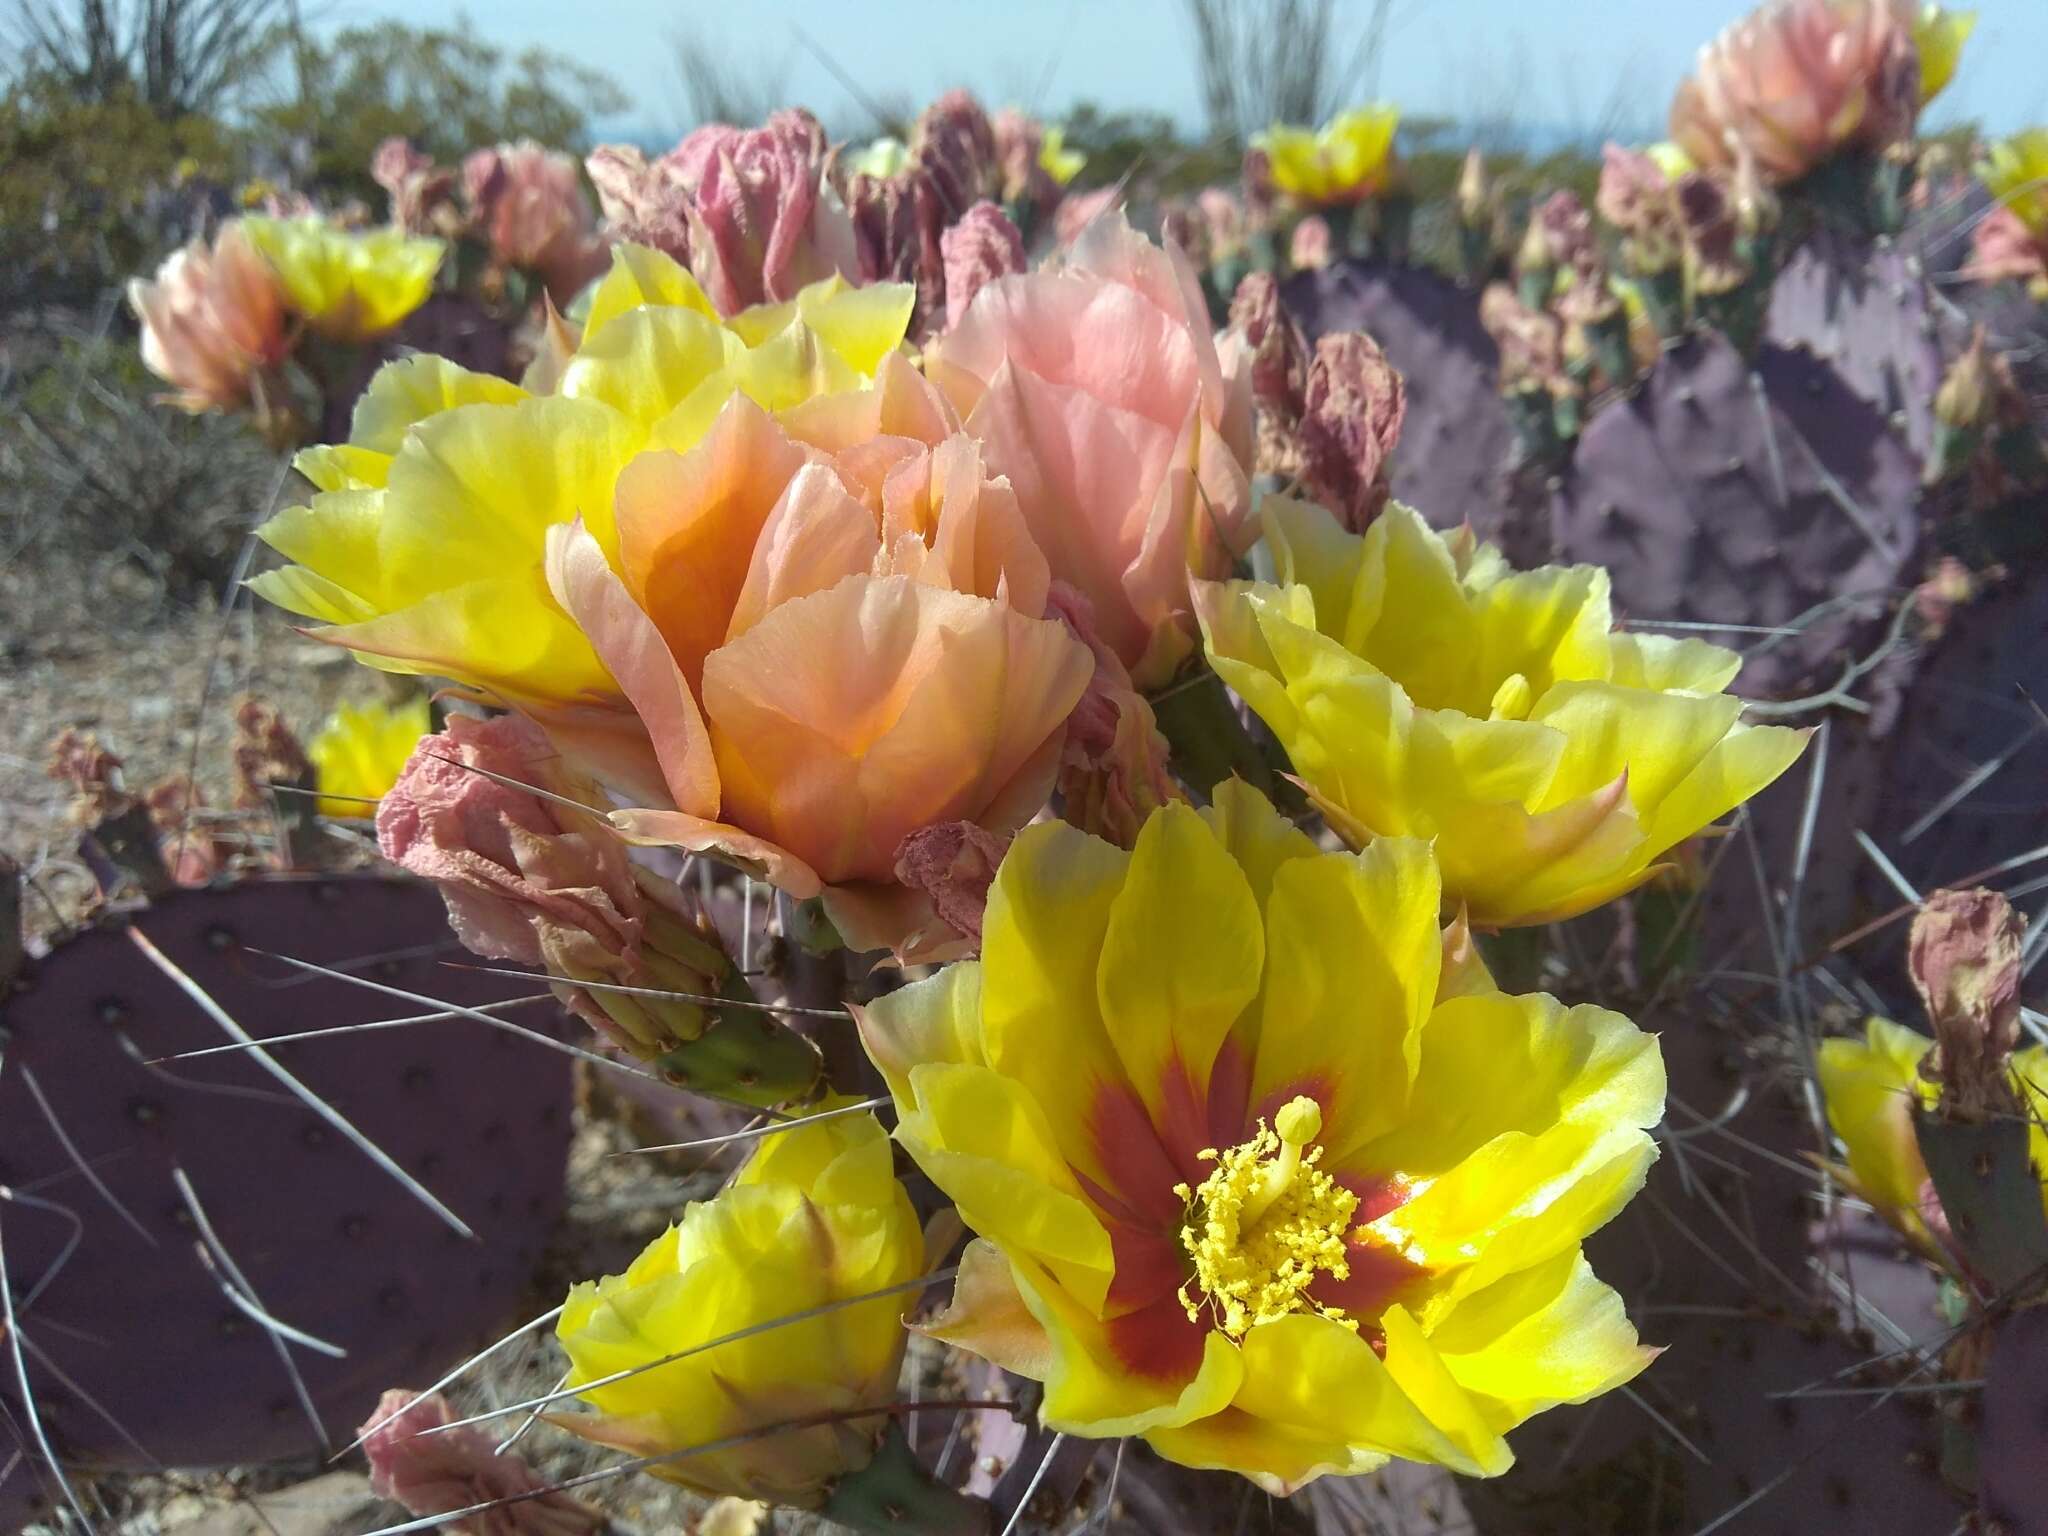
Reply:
x=1964, y=953
x=1565, y=228
x=1350, y=422
x=454, y=1468
x=1936, y=599
x=1113, y=772
x=645, y=203
x=2002, y=246
x=1530, y=340
x=1279, y=373
x=530, y=881
x=265, y=752
x=1710, y=230
x=982, y=247
x=422, y=193
x=529, y=205
x=1224, y=226
x=953, y=863
x=763, y=222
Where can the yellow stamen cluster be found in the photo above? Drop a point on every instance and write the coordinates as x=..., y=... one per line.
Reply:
x=1265, y=1224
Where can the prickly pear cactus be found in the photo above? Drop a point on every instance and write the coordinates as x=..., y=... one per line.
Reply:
x=1761, y=495
x=1451, y=464
x=1759, y=910
x=2012, y=1433
x=1865, y=308
x=1713, y=1261
x=139, y=1355
x=1962, y=776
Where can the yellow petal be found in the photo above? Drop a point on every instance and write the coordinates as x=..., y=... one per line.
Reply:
x=643, y=278
x=1870, y=1087
x=1354, y=950
x=1182, y=956
x=1551, y=1334
x=414, y=388
x=988, y=1145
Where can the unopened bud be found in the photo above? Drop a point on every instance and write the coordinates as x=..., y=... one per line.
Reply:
x=1475, y=193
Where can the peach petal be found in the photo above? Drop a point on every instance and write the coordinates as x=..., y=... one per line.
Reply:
x=688, y=524
x=584, y=583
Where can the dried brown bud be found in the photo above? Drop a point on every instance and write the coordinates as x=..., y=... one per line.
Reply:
x=1964, y=954
x=1351, y=420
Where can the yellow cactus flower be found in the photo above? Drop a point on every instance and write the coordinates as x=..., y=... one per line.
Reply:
x=815, y=1216
x=1345, y=161
x=1257, y=1172
x=1055, y=159
x=1938, y=37
x=1871, y=1087
x=423, y=549
x=1422, y=688
x=361, y=749
x=347, y=284
x=2016, y=172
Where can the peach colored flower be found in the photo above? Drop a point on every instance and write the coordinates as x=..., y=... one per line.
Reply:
x=1097, y=388
x=529, y=205
x=213, y=321
x=830, y=629
x=1797, y=81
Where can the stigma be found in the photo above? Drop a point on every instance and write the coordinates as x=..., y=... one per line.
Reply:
x=1265, y=1224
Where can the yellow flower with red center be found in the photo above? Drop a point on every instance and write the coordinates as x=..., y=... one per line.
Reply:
x=1421, y=688
x=1257, y=1172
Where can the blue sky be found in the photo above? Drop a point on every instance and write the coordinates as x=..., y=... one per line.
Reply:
x=1562, y=65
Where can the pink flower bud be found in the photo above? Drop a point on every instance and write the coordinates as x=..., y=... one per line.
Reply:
x=1351, y=419
x=982, y=247
x=432, y=1474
